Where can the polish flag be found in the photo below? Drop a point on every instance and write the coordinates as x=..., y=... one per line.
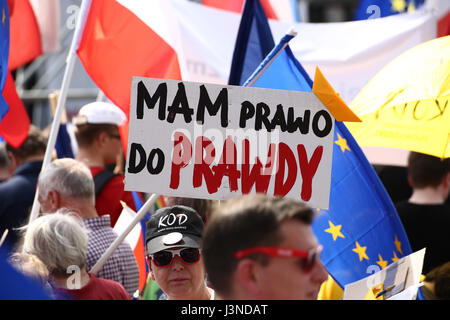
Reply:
x=34, y=30
x=119, y=42
x=122, y=39
x=135, y=239
x=177, y=40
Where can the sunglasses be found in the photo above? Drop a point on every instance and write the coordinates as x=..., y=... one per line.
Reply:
x=308, y=258
x=164, y=258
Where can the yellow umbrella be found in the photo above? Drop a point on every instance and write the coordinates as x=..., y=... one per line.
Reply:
x=406, y=105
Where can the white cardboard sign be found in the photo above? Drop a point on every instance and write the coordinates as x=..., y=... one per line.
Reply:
x=213, y=141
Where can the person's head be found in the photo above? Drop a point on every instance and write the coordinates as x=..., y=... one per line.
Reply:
x=59, y=241
x=439, y=277
x=30, y=266
x=425, y=171
x=262, y=247
x=97, y=129
x=202, y=206
x=65, y=181
x=32, y=148
x=173, y=241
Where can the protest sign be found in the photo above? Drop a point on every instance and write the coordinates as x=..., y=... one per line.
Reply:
x=213, y=141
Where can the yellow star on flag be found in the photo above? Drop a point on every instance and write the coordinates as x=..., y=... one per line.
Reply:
x=341, y=142
x=4, y=16
x=382, y=263
x=398, y=245
x=361, y=251
x=395, y=258
x=334, y=230
x=398, y=5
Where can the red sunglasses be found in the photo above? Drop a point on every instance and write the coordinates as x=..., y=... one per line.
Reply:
x=308, y=258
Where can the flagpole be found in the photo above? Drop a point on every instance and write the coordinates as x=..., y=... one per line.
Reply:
x=70, y=63
x=139, y=216
x=276, y=51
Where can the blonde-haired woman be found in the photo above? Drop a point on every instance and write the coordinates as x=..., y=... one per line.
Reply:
x=60, y=242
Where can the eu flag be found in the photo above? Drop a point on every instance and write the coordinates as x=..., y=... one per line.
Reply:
x=361, y=231
x=369, y=9
x=4, y=53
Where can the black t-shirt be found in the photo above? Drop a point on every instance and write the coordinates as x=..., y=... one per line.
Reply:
x=427, y=226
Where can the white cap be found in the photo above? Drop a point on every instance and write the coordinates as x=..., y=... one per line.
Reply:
x=100, y=112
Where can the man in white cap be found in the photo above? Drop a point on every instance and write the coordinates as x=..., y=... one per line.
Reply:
x=97, y=133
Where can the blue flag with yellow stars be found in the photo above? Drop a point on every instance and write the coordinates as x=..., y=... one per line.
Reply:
x=370, y=9
x=4, y=53
x=361, y=231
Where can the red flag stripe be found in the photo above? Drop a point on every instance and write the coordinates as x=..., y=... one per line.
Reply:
x=116, y=45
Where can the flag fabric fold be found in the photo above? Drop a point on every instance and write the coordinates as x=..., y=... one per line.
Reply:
x=370, y=9
x=34, y=30
x=117, y=45
x=255, y=42
x=16, y=123
x=238, y=5
x=361, y=230
x=4, y=53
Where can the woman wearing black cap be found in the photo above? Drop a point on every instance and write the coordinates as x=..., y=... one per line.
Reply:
x=173, y=244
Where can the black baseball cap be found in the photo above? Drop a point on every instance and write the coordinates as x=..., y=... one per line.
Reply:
x=171, y=227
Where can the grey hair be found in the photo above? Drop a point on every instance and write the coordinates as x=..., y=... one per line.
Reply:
x=69, y=177
x=59, y=240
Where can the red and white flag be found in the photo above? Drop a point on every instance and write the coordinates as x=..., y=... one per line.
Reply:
x=185, y=40
x=281, y=10
x=135, y=239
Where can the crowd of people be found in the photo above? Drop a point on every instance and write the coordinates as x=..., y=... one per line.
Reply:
x=255, y=247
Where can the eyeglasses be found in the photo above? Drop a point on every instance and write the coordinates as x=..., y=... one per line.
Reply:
x=164, y=258
x=113, y=135
x=308, y=260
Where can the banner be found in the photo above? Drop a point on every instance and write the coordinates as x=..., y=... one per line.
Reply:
x=215, y=141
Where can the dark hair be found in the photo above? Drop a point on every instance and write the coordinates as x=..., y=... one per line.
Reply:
x=245, y=222
x=425, y=170
x=88, y=132
x=4, y=160
x=441, y=278
x=35, y=144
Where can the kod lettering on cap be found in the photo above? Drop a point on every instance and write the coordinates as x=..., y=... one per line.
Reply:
x=171, y=227
x=170, y=219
